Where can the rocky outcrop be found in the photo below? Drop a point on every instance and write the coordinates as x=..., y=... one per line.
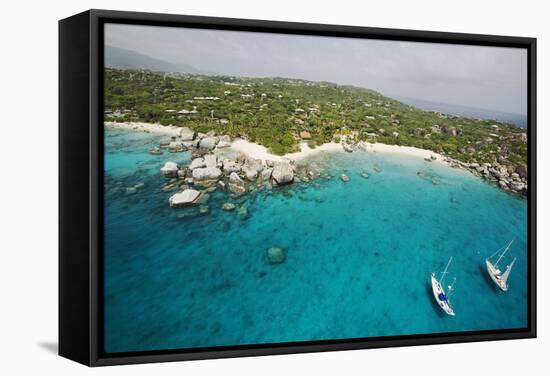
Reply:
x=208, y=143
x=305, y=135
x=187, y=134
x=251, y=169
x=505, y=174
x=228, y=206
x=521, y=170
x=266, y=174
x=230, y=166
x=517, y=186
x=185, y=198
x=170, y=169
x=451, y=131
x=197, y=163
x=225, y=141
x=176, y=147
x=347, y=147
x=211, y=160
x=155, y=151
x=283, y=173
x=236, y=184
x=206, y=173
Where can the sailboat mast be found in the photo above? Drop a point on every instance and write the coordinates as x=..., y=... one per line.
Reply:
x=504, y=252
x=445, y=271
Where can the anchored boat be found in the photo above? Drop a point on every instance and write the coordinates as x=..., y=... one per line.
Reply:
x=441, y=297
x=498, y=277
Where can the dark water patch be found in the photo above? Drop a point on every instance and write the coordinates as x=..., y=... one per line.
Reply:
x=220, y=287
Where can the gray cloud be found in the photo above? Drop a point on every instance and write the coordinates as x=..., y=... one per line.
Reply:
x=492, y=78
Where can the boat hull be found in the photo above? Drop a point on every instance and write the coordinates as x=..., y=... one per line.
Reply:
x=495, y=276
x=437, y=293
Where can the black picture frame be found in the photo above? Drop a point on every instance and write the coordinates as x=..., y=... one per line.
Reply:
x=81, y=182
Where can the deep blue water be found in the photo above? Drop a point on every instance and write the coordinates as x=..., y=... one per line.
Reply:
x=359, y=254
x=519, y=120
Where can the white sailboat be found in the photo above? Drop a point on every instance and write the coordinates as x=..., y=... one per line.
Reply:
x=498, y=277
x=440, y=296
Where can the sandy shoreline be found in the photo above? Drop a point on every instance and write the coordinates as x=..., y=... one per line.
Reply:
x=260, y=152
x=169, y=130
x=256, y=151
x=407, y=150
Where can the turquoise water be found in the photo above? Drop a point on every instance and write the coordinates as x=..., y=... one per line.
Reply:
x=359, y=254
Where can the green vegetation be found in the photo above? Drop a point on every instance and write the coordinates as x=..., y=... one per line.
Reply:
x=273, y=111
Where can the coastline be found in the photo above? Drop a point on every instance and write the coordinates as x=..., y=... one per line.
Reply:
x=256, y=151
x=496, y=173
x=157, y=128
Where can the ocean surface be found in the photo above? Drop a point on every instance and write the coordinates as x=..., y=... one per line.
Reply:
x=519, y=120
x=359, y=254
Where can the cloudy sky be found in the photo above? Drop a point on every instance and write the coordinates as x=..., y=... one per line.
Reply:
x=492, y=78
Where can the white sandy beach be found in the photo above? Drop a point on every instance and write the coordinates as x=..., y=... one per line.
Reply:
x=407, y=150
x=256, y=151
x=169, y=130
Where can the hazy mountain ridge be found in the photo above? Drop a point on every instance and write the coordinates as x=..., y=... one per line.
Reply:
x=116, y=57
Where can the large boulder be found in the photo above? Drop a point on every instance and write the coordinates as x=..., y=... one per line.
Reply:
x=228, y=206
x=170, y=169
x=210, y=160
x=347, y=147
x=517, y=186
x=225, y=141
x=176, y=147
x=521, y=170
x=276, y=255
x=305, y=135
x=266, y=174
x=187, y=197
x=206, y=173
x=209, y=143
x=187, y=134
x=189, y=144
x=251, y=168
x=230, y=166
x=283, y=173
x=236, y=184
x=197, y=163
x=447, y=129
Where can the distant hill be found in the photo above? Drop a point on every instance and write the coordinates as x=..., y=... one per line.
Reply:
x=116, y=57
